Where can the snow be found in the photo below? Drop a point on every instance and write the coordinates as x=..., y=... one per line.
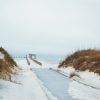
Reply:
x=89, y=78
x=33, y=64
x=28, y=89
x=84, y=87
x=76, y=90
x=1, y=55
x=67, y=71
x=82, y=92
x=27, y=86
x=44, y=64
x=49, y=65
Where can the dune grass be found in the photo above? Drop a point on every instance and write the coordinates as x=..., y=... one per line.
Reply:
x=7, y=65
x=83, y=60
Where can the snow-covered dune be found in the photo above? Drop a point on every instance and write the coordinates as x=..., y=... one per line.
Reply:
x=26, y=88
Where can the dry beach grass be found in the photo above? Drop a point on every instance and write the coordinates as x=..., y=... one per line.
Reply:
x=7, y=65
x=83, y=60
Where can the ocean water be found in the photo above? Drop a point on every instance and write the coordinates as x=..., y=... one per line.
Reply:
x=51, y=58
x=54, y=58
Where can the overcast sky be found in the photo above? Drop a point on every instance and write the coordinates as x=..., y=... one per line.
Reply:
x=49, y=26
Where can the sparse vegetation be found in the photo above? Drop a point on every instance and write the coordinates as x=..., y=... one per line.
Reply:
x=7, y=65
x=83, y=60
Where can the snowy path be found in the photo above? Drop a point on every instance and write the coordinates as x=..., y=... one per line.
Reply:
x=55, y=83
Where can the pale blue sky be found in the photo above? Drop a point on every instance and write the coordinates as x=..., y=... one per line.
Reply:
x=49, y=26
